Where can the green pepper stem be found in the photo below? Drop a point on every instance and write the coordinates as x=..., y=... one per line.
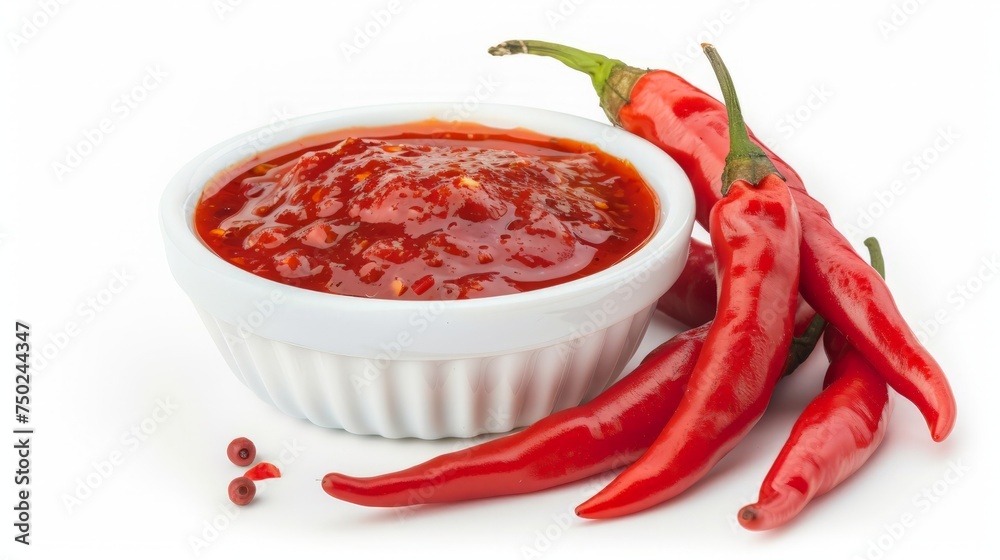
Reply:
x=613, y=79
x=746, y=160
x=875, y=254
x=802, y=346
x=596, y=65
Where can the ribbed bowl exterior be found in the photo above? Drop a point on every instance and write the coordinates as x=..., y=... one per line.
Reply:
x=428, y=399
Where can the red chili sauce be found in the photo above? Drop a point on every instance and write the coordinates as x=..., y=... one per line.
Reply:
x=432, y=210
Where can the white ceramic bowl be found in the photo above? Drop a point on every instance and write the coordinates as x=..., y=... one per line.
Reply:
x=417, y=368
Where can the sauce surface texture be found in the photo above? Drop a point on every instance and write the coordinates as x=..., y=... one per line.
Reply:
x=430, y=211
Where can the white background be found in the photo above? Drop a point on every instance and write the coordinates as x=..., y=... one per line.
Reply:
x=873, y=85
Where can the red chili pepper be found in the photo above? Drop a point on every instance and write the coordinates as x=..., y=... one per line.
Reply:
x=755, y=235
x=690, y=126
x=693, y=296
x=691, y=300
x=851, y=296
x=609, y=432
x=834, y=341
x=833, y=437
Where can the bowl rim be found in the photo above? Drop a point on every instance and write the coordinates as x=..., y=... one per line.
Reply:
x=658, y=170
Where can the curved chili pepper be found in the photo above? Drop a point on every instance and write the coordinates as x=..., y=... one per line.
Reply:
x=755, y=235
x=833, y=437
x=609, y=432
x=834, y=341
x=848, y=293
x=690, y=126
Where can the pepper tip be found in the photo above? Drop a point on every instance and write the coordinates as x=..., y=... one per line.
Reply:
x=330, y=484
x=941, y=430
x=583, y=512
x=586, y=510
x=941, y=417
x=599, y=506
x=749, y=518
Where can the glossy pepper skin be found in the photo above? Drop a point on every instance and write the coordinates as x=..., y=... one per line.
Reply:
x=691, y=299
x=755, y=234
x=833, y=437
x=690, y=126
x=872, y=323
x=609, y=432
